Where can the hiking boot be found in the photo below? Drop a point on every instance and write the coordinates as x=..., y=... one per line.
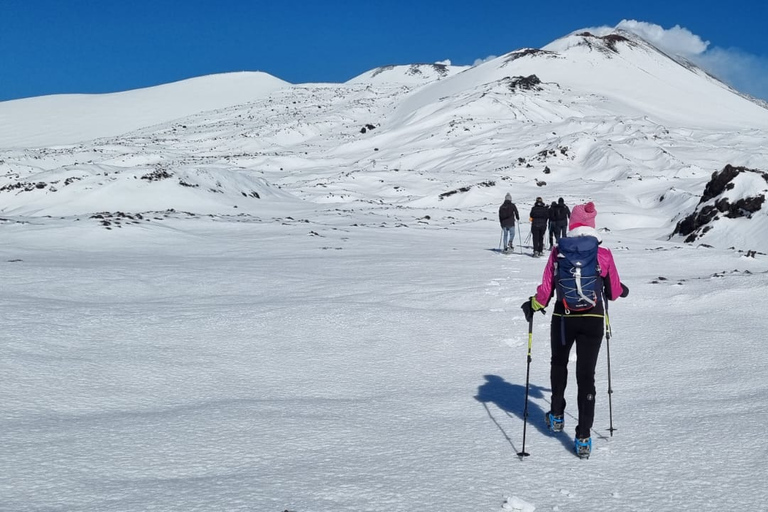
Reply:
x=582, y=447
x=555, y=422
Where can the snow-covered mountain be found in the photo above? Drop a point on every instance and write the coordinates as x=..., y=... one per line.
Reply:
x=609, y=118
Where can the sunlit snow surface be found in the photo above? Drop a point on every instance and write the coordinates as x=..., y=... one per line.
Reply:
x=205, y=364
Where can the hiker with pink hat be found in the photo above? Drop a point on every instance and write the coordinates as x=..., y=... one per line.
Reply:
x=582, y=275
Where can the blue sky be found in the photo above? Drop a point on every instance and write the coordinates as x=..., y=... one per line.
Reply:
x=94, y=46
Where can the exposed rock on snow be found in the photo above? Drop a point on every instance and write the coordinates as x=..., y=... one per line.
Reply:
x=728, y=194
x=605, y=43
x=526, y=83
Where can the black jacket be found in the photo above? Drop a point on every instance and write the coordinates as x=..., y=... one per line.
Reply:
x=539, y=215
x=552, y=212
x=508, y=214
x=561, y=212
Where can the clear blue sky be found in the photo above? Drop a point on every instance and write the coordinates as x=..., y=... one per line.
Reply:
x=93, y=46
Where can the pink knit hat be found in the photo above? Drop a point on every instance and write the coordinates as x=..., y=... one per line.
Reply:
x=583, y=215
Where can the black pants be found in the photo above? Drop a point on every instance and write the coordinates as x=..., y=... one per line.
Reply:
x=537, y=233
x=587, y=333
x=560, y=229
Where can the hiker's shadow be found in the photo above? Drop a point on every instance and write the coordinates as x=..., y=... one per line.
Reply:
x=510, y=398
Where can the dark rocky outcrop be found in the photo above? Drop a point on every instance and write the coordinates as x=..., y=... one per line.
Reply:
x=526, y=83
x=712, y=206
x=606, y=44
x=527, y=52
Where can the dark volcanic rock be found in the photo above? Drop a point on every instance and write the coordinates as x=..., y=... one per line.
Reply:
x=712, y=205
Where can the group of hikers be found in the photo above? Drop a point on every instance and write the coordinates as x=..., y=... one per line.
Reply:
x=582, y=276
x=553, y=218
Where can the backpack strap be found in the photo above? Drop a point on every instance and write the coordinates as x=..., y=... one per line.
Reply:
x=577, y=276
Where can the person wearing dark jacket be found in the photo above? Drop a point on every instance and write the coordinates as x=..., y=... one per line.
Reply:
x=507, y=216
x=561, y=214
x=583, y=328
x=551, y=226
x=539, y=218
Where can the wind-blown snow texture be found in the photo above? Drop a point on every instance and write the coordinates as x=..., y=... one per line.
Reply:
x=295, y=301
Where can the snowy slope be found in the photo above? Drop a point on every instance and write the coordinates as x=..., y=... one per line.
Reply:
x=341, y=359
x=70, y=118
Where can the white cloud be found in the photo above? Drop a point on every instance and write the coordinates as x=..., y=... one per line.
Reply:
x=480, y=61
x=676, y=40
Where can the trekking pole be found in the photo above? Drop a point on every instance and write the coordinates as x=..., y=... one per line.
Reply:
x=500, y=237
x=523, y=453
x=520, y=238
x=608, y=355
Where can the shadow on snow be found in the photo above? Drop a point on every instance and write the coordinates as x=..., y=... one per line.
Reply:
x=510, y=398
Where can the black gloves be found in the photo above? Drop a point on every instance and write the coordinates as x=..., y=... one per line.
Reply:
x=624, y=290
x=527, y=311
x=529, y=307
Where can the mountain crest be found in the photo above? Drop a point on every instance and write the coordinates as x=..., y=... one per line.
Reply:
x=410, y=74
x=608, y=43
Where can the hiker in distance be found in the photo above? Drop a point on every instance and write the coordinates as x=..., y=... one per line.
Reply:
x=559, y=219
x=507, y=216
x=578, y=317
x=539, y=218
x=551, y=225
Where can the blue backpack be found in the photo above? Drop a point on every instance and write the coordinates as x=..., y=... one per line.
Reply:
x=577, y=273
